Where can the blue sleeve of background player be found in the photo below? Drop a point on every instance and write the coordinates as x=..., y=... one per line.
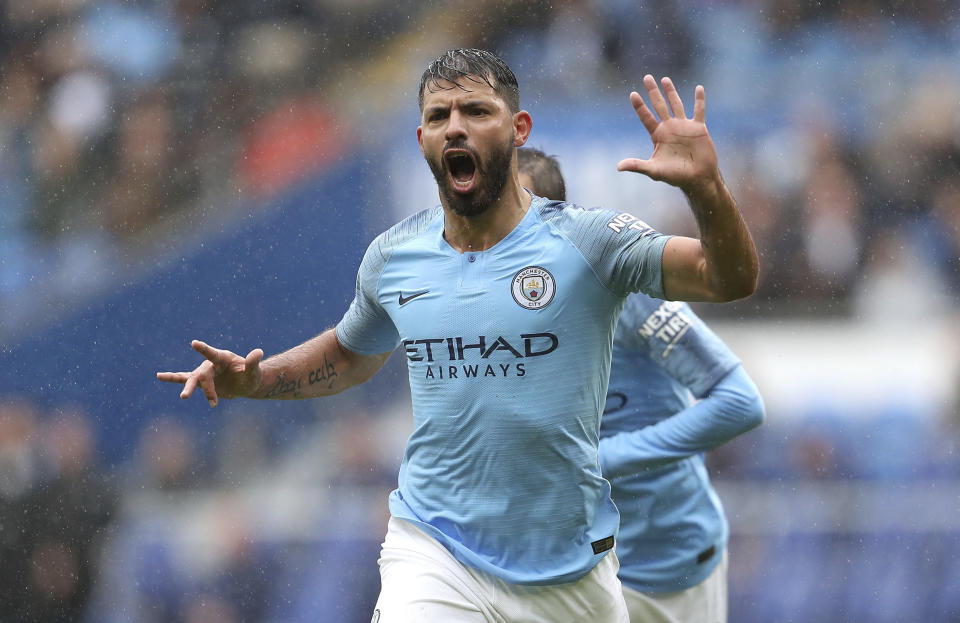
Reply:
x=675, y=339
x=732, y=407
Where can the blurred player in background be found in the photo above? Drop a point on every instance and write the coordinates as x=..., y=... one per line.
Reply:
x=505, y=307
x=673, y=532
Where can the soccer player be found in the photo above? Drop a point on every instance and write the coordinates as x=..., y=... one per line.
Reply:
x=673, y=532
x=504, y=306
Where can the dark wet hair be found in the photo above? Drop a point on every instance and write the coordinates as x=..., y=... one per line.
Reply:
x=474, y=65
x=545, y=172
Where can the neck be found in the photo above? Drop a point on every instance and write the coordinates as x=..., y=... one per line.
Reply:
x=479, y=233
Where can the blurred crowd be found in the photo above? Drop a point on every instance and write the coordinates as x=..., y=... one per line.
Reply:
x=55, y=510
x=121, y=122
x=837, y=124
x=173, y=534
x=228, y=525
x=124, y=122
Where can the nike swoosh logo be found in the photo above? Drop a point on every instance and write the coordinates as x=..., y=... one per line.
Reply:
x=404, y=301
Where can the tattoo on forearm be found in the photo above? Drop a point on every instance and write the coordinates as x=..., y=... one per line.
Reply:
x=326, y=373
x=284, y=387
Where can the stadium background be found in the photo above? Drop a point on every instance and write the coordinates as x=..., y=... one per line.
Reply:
x=202, y=168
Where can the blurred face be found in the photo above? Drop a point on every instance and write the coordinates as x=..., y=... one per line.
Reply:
x=467, y=136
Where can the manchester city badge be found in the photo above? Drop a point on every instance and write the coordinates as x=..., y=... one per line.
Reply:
x=533, y=287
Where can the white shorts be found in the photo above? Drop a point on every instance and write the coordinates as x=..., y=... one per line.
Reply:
x=421, y=582
x=704, y=603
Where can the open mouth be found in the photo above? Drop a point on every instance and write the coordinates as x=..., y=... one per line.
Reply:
x=462, y=168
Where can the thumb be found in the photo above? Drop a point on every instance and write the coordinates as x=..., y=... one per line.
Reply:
x=634, y=164
x=253, y=358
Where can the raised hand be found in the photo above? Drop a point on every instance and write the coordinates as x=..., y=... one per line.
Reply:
x=683, y=152
x=223, y=375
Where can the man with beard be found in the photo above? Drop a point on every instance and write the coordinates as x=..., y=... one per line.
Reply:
x=505, y=307
x=673, y=537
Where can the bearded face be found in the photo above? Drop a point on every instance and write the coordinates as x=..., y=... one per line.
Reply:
x=470, y=181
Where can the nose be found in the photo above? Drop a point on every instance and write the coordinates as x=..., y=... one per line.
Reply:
x=455, y=126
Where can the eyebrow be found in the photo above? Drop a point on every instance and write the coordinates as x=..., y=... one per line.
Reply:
x=471, y=103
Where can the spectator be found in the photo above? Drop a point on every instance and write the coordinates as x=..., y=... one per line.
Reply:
x=67, y=518
x=167, y=457
x=146, y=185
x=19, y=472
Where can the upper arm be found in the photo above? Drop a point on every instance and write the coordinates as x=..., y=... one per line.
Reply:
x=685, y=271
x=678, y=341
x=362, y=367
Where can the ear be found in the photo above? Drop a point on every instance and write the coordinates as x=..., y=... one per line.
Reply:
x=420, y=137
x=522, y=125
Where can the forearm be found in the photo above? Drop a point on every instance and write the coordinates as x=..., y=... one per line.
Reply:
x=732, y=408
x=730, y=264
x=320, y=366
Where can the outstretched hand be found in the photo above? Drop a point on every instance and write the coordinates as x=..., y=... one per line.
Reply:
x=683, y=152
x=223, y=375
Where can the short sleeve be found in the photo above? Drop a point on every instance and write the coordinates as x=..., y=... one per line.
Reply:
x=625, y=252
x=677, y=340
x=365, y=327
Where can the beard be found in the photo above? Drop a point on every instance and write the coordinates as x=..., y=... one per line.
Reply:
x=492, y=177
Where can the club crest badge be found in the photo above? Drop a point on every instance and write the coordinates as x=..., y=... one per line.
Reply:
x=533, y=287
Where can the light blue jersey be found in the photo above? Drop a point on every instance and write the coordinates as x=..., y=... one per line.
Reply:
x=673, y=530
x=508, y=352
